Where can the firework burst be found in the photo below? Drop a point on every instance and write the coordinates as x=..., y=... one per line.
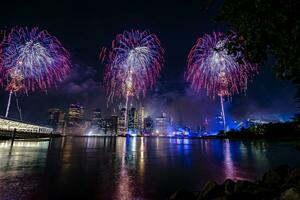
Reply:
x=211, y=66
x=216, y=63
x=32, y=59
x=132, y=64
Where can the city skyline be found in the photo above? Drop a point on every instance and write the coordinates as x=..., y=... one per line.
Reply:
x=267, y=97
x=138, y=123
x=160, y=99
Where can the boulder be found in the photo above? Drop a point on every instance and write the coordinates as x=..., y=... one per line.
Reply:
x=183, y=194
x=272, y=179
x=294, y=175
x=282, y=171
x=290, y=194
x=292, y=180
x=244, y=187
x=228, y=186
x=250, y=190
x=276, y=178
x=211, y=190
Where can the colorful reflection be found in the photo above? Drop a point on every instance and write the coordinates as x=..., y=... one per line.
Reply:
x=131, y=168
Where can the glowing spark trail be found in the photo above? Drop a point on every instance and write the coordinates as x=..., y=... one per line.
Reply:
x=31, y=60
x=211, y=66
x=132, y=64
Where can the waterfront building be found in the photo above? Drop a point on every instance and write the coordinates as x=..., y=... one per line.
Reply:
x=141, y=118
x=161, y=125
x=76, y=122
x=122, y=126
x=148, y=125
x=97, y=120
x=75, y=114
x=111, y=125
x=133, y=121
x=56, y=119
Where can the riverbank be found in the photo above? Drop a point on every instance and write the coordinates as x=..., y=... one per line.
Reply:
x=264, y=131
x=281, y=183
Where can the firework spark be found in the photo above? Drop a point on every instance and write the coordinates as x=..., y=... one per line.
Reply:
x=211, y=66
x=132, y=64
x=32, y=59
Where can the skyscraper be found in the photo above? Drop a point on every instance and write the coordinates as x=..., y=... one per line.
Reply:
x=75, y=114
x=122, y=127
x=162, y=124
x=148, y=125
x=97, y=119
x=56, y=119
x=133, y=121
x=76, y=123
x=141, y=118
x=112, y=125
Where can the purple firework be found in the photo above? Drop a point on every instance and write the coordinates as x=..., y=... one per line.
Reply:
x=32, y=59
x=211, y=66
x=133, y=63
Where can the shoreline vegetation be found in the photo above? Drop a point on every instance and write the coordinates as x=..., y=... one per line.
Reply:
x=280, y=183
x=264, y=131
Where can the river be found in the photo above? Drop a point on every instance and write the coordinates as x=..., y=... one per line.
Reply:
x=131, y=168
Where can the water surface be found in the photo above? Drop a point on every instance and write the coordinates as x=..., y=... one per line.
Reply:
x=131, y=168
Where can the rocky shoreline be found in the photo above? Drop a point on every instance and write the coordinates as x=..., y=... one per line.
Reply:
x=281, y=183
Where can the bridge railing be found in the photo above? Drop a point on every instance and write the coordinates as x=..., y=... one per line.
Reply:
x=23, y=134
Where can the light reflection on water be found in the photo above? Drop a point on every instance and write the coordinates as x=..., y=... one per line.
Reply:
x=130, y=168
x=16, y=164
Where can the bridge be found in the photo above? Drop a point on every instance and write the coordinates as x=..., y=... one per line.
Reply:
x=23, y=129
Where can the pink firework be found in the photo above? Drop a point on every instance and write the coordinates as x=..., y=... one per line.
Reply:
x=212, y=67
x=31, y=59
x=133, y=63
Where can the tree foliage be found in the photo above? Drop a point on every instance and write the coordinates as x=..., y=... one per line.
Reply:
x=270, y=27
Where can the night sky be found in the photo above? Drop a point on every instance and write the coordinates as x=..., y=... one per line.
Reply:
x=85, y=27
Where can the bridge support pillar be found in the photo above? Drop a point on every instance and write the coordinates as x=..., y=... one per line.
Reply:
x=13, y=137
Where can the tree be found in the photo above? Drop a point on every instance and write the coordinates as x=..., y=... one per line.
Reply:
x=270, y=27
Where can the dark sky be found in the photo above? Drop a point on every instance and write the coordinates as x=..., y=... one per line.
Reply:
x=84, y=27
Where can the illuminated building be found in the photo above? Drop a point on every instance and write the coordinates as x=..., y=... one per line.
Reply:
x=111, y=125
x=133, y=121
x=122, y=127
x=56, y=119
x=53, y=114
x=141, y=119
x=220, y=122
x=148, y=125
x=75, y=114
x=97, y=119
x=161, y=125
x=76, y=122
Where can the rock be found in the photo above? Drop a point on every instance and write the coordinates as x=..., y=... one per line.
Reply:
x=228, y=186
x=276, y=178
x=183, y=194
x=249, y=190
x=292, y=180
x=211, y=190
x=282, y=171
x=290, y=194
x=272, y=179
x=221, y=198
x=244, y=187
x=294, y=174
x=281, y=183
